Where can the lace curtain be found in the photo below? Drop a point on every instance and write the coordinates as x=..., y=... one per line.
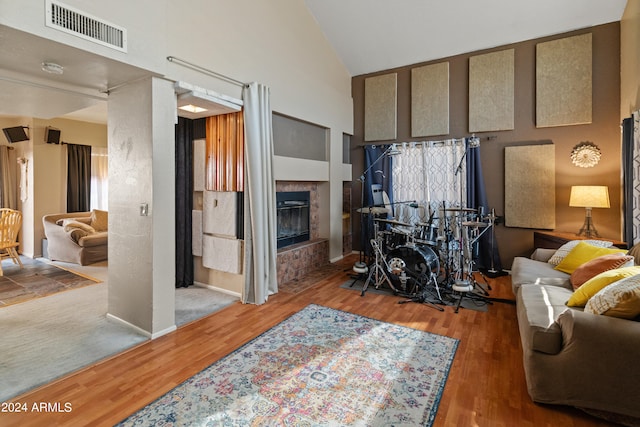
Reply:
x=425, y=172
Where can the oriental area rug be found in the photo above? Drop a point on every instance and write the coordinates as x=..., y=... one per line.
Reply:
x=318, y=367
x=35, y=280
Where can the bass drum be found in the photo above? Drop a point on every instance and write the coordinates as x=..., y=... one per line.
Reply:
x=412, y=266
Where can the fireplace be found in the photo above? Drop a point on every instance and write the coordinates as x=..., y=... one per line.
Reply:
x=292, y=211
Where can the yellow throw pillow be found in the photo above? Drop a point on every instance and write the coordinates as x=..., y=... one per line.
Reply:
x=595, y=284
x=564, y=250
x=99, y=220
x=582, y=253
x=620, y=299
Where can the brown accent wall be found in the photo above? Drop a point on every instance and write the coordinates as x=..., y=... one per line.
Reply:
x=603, y=131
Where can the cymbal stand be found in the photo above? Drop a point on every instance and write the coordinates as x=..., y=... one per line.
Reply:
x=474, y=241
x=492, y=220
x=469, y=262
x=378, y=270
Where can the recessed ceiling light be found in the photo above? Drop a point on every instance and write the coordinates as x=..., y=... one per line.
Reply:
x=53, y=68
x=192, y=108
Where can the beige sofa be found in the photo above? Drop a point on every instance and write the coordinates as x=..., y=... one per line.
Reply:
x=572, y=357
x=68, y=241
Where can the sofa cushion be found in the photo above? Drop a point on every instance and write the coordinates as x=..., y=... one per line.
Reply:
x=526, y=270
x=100, y=220
x=538, y=307
x=582, y=253
x=76, y=229
x=95, y=239
x=619, y=299
x=83, y=219
x=595, y=284
x=564, y=250
x=596, y=266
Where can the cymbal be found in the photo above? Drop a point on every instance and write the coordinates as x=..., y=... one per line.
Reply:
x=426, y=224
x=373, y=210
x=392, y=222
x=475, y=224
x=458, y=209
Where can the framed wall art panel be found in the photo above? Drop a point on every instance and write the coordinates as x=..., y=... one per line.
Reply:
x=380, y=107
x=530, y=186
x=430, y=100
x=564, y=81
x=491, y=91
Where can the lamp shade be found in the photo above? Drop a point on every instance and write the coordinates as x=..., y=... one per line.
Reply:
x=589, y=196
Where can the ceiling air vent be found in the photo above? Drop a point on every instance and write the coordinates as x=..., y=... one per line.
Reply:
x=78, y=23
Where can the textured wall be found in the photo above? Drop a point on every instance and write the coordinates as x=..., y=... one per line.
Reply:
x=603, y=131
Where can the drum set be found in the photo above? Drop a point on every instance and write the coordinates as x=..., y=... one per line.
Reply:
x=428, y=262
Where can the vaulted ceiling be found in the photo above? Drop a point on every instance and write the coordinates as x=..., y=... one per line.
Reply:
x=374, y=35
x=368, y=36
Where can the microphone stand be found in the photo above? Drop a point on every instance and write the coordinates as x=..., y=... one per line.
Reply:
x=361, y=265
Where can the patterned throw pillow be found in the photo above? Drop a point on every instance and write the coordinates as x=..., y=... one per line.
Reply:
x=620, y=299
x=566, y=248
x=596, y=266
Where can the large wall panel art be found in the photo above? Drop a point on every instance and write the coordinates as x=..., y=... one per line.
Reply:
x=564, y=81
x=530, y=186
x=430, y=100
x=491, y=91
x=380, y=107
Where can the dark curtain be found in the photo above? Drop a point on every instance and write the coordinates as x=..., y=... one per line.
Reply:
x=627, y=180
x=477, y=199
x=78, y=178
x=379, y=171
x=184, y=202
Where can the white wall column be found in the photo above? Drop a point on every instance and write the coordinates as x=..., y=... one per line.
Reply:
x=142, y=172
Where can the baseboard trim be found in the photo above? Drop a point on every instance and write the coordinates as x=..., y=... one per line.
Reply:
x=336, y=259
x=140, y=330
x=215, y=288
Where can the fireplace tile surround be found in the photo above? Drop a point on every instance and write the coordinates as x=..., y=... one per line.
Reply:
x=295, y=261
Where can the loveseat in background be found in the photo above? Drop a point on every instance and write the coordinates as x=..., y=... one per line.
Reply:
x=90, y=248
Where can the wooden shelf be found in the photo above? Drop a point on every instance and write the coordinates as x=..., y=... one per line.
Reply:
x=555, y=239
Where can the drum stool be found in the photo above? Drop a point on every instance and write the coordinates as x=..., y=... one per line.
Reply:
x=462, y=287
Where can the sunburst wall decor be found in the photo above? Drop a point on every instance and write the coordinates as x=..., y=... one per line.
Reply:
x=585, y=154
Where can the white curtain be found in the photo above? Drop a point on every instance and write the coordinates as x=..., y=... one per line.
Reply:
x=8, y=164
x=426, y=172
x=99, y=178
x=260, y=197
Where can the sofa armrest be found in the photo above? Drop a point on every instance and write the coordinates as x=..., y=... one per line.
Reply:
x=542, y=254
x=605, y=336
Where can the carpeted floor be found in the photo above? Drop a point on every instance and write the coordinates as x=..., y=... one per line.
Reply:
x=35, y=280
x=46, y=338
x=321, y=366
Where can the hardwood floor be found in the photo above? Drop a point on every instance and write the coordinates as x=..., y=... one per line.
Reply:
x=486, y=385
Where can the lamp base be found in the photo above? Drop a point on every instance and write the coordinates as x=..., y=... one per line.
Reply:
x=588, y=229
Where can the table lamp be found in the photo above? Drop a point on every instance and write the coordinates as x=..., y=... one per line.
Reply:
x=588, y=197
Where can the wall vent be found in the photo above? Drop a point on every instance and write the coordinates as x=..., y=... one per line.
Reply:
x=78, y=23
